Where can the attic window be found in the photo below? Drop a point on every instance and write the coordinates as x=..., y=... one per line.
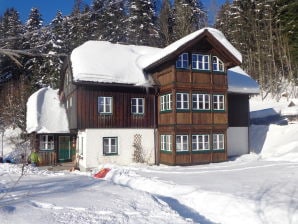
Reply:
x=182, y=61
x=200, y=62
x=217, y=64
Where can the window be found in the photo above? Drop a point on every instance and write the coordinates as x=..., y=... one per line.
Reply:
x=200, y=101
x=217, y=64
x=181, y=143
x=166, y=143
x=110, y=145
x=166, y=102
x=137, y=105
x=200, y=61
x=182, y=101
x=105, y=104
x=218, y=141
x=46, y=142
x=218, y=102
x=200, y=142
x=182, y=61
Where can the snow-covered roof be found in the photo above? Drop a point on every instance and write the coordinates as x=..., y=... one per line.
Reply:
x=101, y=61
x=240, y=82
x=45, y=113
x=104, y=62
x=218, y=35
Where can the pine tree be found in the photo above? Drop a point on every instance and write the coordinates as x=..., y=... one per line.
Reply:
x=112, y=20
x=165, y=23
x=140, y=23
x=34, y=40
x=188, y=16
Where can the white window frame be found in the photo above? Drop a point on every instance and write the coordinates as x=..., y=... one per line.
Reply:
x=166, y=102
x=182, y=143
x=110, y=148
x=217, y=64
x=105, y=105
x=46, y=143
x=200, y=142
x=218, y=102
x=138, y=104
x=166, y=143
x=201, y=101
x=218, y=141
x=182, y=61
x=182, y=101
x=200, y=62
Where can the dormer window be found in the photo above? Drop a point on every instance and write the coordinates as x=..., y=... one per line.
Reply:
x=217, y=64
x=200, y=62
x=182, y=61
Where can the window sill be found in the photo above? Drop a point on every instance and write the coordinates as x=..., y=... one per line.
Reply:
x=206, y=151
x=110, y=154
x=218, y=150
x=166, y=152
x=105, y=114
x=182, y=69
x=165, y=111
x=201, y=70
x=182, y=110
x=201, y=111
x=219, y=111
x=219, y=72
x=182, y=152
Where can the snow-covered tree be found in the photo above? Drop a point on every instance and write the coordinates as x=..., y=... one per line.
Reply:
x=140, y=23
x=165, y=23
x=189, y=16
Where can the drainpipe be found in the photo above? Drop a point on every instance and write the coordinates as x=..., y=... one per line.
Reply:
x=156, y=155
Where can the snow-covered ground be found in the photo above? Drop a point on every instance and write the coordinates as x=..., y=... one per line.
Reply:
x=261, y=187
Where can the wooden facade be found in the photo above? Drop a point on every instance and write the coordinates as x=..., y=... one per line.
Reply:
x=172, y=80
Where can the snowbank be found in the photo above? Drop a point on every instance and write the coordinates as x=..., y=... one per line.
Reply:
x=45, y=113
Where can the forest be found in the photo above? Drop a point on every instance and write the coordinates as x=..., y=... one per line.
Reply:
x=32, y=54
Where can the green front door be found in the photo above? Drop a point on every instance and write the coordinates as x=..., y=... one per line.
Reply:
x=64, y=148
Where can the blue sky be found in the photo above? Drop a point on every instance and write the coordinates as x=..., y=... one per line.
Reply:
x=49, y=8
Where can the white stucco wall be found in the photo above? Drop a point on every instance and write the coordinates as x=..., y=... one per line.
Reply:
x=238, y=142
x=92, y=152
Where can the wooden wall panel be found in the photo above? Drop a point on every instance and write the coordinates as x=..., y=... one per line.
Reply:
x=88, y=116
x=220, y=118
x=219, y=80
x=202, y=118
x=166, y=158
x=183, y=118
x=183, y=76
x=219, y=156
x=199, y=158
x=182, y=159
x=201, y=78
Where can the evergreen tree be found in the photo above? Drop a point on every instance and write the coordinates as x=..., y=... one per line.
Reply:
x=112, y=20
x=34, y=40
x=188, y=17
x=165, y=23
x=140, y=23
